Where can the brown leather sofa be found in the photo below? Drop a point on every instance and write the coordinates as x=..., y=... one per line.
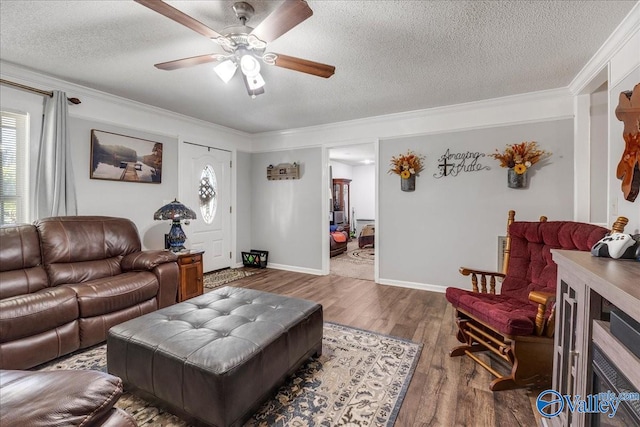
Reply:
x=64, y=281
x=61, y=398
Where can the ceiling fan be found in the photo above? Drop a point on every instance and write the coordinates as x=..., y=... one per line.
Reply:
x=244, y=46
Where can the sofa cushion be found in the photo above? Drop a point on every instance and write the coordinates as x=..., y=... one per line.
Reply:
x=41, y=311
x=502, y=312
x=531, y=267
x=21, y=270
x=58, y=398
x=101, y=241
x=110, y=294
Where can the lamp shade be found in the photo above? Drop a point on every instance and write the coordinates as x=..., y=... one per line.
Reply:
x=225, y=70
x=175, y=211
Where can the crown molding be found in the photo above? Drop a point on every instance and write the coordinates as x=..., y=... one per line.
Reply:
x=506, y=102
x=26, y=76
x=622, y=34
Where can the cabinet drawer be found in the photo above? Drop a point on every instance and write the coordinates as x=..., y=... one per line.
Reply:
x=190, y=259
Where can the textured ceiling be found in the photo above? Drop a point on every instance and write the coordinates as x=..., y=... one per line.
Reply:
x=390, y=56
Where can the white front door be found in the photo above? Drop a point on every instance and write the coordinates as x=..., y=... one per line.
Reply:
x=205, y=187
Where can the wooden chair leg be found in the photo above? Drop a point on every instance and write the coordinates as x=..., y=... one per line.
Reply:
x=504, y=383
x=532, y=366
x=462, y=350
x=531, y=359
x=469, y=344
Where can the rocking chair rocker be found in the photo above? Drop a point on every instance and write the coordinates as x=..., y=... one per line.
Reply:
x=517, y=325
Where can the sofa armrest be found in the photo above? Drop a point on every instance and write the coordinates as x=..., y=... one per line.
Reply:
x=483, y=279
x=58, y=397
x=543, y=299
x=168, y=275
x=161, y=263
x=146, y=260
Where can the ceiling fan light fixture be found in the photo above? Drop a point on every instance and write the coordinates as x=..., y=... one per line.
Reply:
x=255, y=43
x=255, y=82
x=270, y=58
x=249, y=65
x=226, y=70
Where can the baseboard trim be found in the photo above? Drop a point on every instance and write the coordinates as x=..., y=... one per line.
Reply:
x=315, y=272
x=413, y=285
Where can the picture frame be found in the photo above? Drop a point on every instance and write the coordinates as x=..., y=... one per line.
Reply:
x=116, y=157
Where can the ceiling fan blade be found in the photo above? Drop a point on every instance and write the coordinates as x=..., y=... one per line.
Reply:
x=190, y=62
x=304, y=65
x=174, y=14
x=285, y=17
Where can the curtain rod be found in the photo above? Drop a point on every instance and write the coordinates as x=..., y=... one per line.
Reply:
x=33, y=89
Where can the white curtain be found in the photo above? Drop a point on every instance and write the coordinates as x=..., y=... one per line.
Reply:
x=55, y=193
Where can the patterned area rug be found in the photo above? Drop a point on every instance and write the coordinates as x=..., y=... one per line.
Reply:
x=360, y=380
x=218, y=278
x=366, y=254
x=356, y=263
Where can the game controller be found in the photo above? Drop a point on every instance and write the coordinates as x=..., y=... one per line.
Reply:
x=613, y=245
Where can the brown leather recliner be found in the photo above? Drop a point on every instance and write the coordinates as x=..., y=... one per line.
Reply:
x=66, y=280
x=61, y=398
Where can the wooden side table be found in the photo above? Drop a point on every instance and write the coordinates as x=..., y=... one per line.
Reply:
x=191, y=281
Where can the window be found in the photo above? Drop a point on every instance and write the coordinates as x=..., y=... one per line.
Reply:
x=207, y=193
x=13, y=158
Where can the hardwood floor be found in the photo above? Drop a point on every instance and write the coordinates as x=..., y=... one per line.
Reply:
x=444, y=391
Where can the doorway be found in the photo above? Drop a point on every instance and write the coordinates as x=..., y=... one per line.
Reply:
x=205, y=187
x=352, y=210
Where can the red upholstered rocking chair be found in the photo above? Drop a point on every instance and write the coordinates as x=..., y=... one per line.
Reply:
x=517, y=325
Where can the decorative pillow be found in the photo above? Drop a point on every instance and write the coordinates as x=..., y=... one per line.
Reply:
x=339, y=236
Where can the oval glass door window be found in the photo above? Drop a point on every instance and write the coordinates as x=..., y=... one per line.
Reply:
x=208, y=194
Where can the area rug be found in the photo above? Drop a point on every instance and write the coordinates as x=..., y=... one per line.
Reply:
x=222, y=277
x=360, y=380
x=366, y=254
x=355, y=262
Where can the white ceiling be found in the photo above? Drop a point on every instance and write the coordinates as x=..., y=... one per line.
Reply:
x=354, y=155
x=390, y=56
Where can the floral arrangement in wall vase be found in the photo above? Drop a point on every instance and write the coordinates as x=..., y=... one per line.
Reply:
x=518, y=158
x=408, y=166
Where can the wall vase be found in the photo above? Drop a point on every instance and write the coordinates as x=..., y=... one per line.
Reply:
x=408, y=184
x=515, y=180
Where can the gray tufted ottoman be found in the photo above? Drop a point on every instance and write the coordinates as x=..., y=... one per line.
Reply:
x=216, y=358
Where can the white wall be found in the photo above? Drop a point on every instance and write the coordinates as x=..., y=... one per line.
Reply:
x=133, y=200
x=363, y=192
x=624, y=72
x=598, y=153
x=340, y=170
x=426, y=235
x=617, y=62
x=286, y=215
x=109, y=112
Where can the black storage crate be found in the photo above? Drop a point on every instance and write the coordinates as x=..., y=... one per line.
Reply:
x=255, y=258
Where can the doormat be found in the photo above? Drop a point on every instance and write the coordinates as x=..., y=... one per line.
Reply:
x=361, y=380
x=218, y=278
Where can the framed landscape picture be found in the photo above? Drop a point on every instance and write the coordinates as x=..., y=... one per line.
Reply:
x=124, y=158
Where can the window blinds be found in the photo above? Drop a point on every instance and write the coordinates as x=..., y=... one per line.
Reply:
x=14, y=164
